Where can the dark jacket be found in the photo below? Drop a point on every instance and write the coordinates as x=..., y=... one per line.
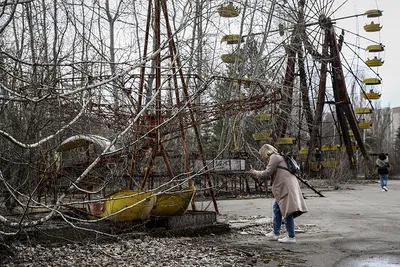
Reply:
x=383, y=164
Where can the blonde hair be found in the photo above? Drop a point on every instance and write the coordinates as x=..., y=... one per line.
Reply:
x=267, y=150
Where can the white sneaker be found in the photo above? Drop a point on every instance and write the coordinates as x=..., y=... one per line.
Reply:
x=288, y=240
x=272, y=236
x=384, y=188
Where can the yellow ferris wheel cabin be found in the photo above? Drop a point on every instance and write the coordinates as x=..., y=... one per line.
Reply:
x=375, y=48
x=232, y=39
x=375, y=62
x=372, y=27
x=371, y=95
x=373, y=13
x=228, y=11
x=363, y=110
x=371, y=81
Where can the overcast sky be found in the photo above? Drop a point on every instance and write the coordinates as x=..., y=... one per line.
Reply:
x=389, y=36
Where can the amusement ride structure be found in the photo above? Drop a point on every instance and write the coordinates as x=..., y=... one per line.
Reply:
x=278, y=85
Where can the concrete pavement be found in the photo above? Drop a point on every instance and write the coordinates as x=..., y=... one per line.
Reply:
x=358, y=226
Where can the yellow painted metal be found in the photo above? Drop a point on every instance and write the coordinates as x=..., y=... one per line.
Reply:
x=363, y=110
x=314, y=167
x=371, y=81
x=371, y=95
x=229, y=11
x=125, y=205
x=375, y=48
x=329, y=147
x=232, y=39
x=263, y=116
x=330, y=163
x=365, y=125
x=373, y=27
x=286, y=141
x=173, y=203
x=373, y=13
x=231, y=58
x=264, y=135
x=351, y=133
x=375, y=62
x=303, y=151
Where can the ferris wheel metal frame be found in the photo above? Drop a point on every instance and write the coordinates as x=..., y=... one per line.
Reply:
x=298, y=45
x=311, y=33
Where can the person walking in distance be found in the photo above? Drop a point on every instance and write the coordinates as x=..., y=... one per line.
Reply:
x=289, y=202
x=383, y=170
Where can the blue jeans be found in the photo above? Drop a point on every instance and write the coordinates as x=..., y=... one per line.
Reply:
x=383, y=178
x=277, y=221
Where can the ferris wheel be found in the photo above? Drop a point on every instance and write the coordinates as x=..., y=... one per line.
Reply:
x=323, y=67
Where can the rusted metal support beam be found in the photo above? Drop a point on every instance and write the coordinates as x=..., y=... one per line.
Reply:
x=342, y=118
x=140, y=94
x=316, y=127
x=189, y=105
x=157, y=61
x=305, y=99
x=286, y=103
x=343, y=98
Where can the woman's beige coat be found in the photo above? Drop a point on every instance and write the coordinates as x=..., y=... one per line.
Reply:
x=285, y=187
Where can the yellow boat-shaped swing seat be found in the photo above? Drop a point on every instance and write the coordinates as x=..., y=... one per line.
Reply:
x=365, y=125
x=173, y=203
x=232, y=39
x=125, y=205
x=373, y=13
x=286, y=141
x=372, y=27
x=263, y=135
x=375, y=62
x=330, y=147
x=304, y=150
x=371, y=81
x=371, y=95
x=375, y=48
x=263, y=116
x=228, y=11
x=363, y=110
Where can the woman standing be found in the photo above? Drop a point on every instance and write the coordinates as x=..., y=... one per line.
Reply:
x=289, y=202
x=383, y=170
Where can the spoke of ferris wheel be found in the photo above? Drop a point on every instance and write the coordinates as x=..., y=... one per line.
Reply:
x=290, y=13
x=315, y=9
x=376, y=73
x=358, y=35
x=305, y=25
x=339, y=7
